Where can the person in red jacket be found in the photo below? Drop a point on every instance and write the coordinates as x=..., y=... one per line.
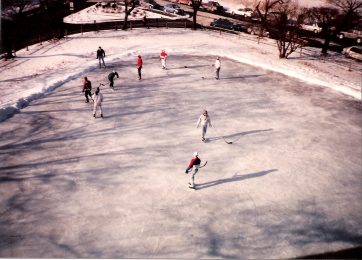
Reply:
x=194, y=166
x=139, y=66
x=163, y=57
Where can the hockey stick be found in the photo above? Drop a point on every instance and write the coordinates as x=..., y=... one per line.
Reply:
x=203, y=165
x=225, y=139
x=198, y=168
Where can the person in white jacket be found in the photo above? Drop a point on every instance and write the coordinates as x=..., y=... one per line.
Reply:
x=217, y=68
x=204, y=121
x=97, y=99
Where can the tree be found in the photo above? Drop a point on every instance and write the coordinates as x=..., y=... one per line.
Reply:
x=286, y=32
x=350, y=10
x=16, y=7
x=263, y=8
x=15, y=15
x=196, y=4
x=326, y=18
x=55, y=10
x=127, y=11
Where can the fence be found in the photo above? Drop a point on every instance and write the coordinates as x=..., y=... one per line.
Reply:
x=39, y=34
x=116, y=25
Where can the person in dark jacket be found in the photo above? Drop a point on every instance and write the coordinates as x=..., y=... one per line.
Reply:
x=111, y=77
x=100, y=56
x=87, y=88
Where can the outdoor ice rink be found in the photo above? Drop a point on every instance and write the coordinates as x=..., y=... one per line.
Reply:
x=289, y=185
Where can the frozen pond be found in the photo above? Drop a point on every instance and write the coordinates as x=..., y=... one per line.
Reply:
x=289, y=185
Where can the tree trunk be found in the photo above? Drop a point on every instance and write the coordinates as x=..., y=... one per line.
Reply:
x=327, y=40
x=194, y=26
x=125, y=15
x=325, y=46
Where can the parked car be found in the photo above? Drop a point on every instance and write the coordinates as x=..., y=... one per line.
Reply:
x=212, y=6
x=312, y=27
x=226, y=24
x=354, y=52
x=352, y=34
x=222, y=23
x=129, y=2
x=151, y=4
x=246, y=12
x=185, y=2
x=256, y=30
x=173, y=8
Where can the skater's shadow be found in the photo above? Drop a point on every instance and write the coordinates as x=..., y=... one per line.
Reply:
x=235, y=137
x=187, y=67
x=243, y=77
x=233, y=179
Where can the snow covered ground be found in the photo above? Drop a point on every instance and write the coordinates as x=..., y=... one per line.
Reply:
x=93, y=14
x=74, y=186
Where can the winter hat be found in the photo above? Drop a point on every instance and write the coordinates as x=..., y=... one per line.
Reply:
x=139, y=56
x=196, y=154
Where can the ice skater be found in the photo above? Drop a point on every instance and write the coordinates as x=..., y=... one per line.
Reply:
x=111, y=77
x=97, y=99
x=139, y=66
x=217, y=68
x=87, y=88
x=163, y=57
x=100, y=56
x=194, y=166
x=204, y=120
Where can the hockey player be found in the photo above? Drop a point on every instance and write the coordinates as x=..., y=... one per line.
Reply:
x=111, y=78
x=97, y=99
x=139, y=66
x=204, y=120
x=163, y=57
x=87, y=88
x=100, y=56
x=194, y=166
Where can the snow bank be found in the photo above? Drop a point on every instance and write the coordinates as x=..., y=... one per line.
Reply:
x=51, y=65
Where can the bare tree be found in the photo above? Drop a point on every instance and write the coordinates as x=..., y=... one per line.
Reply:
x=326, y=18
x=55, y=10
x=263, y=8
x=196, y=4
x=347, y=6
x=287, y=32
x=127, y=11
x=17, y=7
x=350, y=10
x=15, y=15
